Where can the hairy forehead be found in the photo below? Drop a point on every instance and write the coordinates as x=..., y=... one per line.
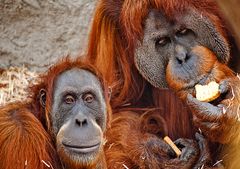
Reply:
x=77, y=78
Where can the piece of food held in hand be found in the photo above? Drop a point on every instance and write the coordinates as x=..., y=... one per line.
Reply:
x=207, y=93
x=172, y=145
x=141, y=141
x=204, y=76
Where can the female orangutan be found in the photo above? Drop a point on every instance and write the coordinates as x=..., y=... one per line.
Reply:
x=132, y=43
x=62, y=123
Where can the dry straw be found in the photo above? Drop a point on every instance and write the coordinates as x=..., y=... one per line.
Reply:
x=14, y=84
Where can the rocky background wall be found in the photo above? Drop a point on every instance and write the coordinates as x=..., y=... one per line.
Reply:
x=36, y=33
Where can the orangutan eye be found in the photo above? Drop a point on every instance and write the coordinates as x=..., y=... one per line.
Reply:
x=88, y=98
x=162, y=41
x=183, y=32
x=69, y=99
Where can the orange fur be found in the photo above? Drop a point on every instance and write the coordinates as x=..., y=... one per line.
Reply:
x=131, y=143
x=26, y=140
x=23, y=141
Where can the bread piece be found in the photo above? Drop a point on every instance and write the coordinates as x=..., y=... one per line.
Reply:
x=207, y=93
x=171, y=144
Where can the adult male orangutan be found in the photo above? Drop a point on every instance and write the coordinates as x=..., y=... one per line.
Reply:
x=132, y=43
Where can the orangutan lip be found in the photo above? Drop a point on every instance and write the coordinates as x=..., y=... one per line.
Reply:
x=82, y=148
x=201, y=80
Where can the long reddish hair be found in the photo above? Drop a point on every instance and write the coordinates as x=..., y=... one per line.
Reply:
x=118, y=27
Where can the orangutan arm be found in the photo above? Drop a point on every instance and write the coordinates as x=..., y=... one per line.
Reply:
x=127, y=146
x=219, y=123
x=23, y=141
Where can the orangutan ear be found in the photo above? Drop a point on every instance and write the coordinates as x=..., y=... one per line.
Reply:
x=42, y=97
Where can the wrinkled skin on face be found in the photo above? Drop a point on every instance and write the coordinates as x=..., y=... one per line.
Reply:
x=202, y=69
x=78, y=117
x=166, y=41
x=189, y=50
